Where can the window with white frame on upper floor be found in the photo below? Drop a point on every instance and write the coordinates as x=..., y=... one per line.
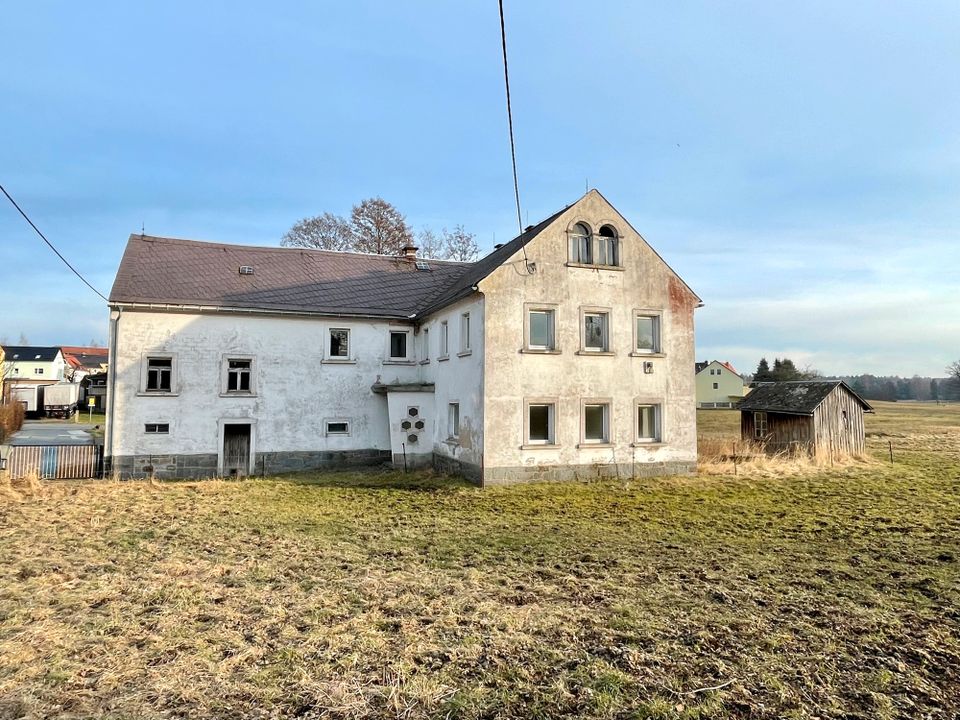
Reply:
x=596, y=331
x=338, y=344
x=646, y=333
x=464, y=333
x=581, y=245
x=444, y=339
x=425, y=344
x=608, y=247
x=159, y=374
x=453, y=420
x=38, y=371
x=239, y=375
x=648, y=423
x=398, y=344
x=541, y=328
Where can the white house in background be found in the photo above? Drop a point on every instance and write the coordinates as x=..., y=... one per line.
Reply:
x=719, y=385
x=26, y=370
x=562, y=354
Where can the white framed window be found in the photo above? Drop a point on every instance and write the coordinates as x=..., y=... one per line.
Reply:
x=595, y=424
x=595, y=327
x=648, y=423
x=238, y=375
x=399, y=344
x=464, y=333
x=444, y=339
x=608, y=247
x=158, y=374
x=338, y=343
x=716, y=386
x=156, y=428
x=38, y=371
x=759, y=425
x=540, y=421
x=541, y=327
x=581, y=244
x=453, y=420
x=646, y=332
x=336, y=426
x=425, y=345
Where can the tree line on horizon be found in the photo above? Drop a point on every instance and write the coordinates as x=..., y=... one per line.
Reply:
x=868, y=386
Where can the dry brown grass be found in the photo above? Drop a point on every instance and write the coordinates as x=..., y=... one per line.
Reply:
x=832, y=595
x=11, y=419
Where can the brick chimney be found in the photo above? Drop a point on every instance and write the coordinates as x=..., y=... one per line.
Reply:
x=409, y=252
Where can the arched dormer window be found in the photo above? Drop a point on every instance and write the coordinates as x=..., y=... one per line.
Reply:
x=581, y=245
x=608, y=246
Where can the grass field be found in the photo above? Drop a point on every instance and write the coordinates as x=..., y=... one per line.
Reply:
x=833, y=593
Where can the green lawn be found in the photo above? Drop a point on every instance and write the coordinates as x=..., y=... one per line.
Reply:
x=833, y=594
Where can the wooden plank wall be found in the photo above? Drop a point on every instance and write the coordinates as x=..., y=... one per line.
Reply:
x=834, y=433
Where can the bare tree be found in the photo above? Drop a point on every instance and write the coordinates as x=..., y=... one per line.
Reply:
x=326, y=232
x=460, y=245
x=953, y=370
x=24, y=340
x=431, y=246
x=378, y=227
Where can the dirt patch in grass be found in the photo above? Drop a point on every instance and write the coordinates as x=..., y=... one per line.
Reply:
x=832, y=594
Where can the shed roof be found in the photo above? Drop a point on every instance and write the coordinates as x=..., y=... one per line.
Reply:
x=799, y=397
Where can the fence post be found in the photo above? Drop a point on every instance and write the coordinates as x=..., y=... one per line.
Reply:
x=890, y=442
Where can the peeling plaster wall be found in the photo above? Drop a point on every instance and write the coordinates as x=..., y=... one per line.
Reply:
x=510, y=375
x=296, y=390
x=458, y=379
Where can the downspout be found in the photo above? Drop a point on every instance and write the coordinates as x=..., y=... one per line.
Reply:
x=112, y=385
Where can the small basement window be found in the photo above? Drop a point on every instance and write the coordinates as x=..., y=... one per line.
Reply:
x=338, y=427
x=157, y=428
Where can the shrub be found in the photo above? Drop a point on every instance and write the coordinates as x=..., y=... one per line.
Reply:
x=11, y=419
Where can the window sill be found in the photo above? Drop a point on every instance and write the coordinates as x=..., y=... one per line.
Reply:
x=652, y=445
x=537, y=351
x=593, y=445
x=465, y=353
x=395, y=361
x=443, y=358
x=425, y=362
x=600, y=353
x=145, y=393
x=336, y=361
x=590, y=266
x=647, y=355
x=541, y=446
x=452, y=442
x=238, y=395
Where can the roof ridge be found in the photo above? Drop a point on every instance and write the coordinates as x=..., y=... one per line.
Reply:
x=275, y=248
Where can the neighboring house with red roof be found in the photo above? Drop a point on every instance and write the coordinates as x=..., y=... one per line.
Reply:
x=83, y=361
x=562, y=354
x=719, y=385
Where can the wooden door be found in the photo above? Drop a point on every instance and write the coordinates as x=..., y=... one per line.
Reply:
x=236, y=450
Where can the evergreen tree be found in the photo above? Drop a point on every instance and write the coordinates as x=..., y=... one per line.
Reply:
x=763, y=372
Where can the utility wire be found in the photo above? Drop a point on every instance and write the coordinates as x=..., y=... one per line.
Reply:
x=513, y=149
x=50, y=244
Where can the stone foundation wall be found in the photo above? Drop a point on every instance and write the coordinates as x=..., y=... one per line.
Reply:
x=583, y=473
x=269, y=463
x=451, y=466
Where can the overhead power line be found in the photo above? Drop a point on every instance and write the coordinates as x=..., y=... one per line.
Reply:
x=513, y=149
x=50, y=244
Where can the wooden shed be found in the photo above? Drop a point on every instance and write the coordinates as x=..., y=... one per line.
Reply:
x=819, y=416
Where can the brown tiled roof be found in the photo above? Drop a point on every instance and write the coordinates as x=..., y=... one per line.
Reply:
x=168, y=271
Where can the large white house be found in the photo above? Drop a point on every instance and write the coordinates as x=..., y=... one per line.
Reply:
x=565, y=353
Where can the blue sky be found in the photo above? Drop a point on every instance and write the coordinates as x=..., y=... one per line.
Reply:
x=798, y=165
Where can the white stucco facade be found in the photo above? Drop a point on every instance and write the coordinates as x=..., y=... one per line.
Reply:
x=473, y=392
x=718, y=386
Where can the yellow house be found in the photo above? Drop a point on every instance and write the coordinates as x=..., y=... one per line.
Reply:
x=719, y=385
